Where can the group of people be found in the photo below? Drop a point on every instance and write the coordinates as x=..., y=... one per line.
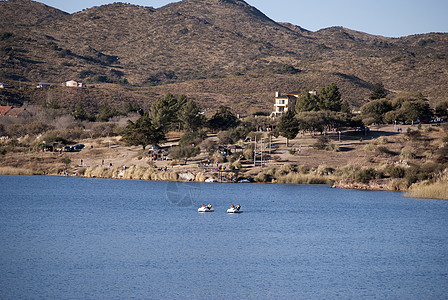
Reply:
x=209, y=206
x=238, y=207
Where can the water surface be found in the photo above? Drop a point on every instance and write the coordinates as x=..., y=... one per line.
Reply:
x=75, y=238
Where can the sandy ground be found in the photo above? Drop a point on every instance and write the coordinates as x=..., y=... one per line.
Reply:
x=111, y=152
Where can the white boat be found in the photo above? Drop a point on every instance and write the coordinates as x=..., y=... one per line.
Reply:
x=211, y=180
x=244, y=181
x=206, y=209
x=233, y=210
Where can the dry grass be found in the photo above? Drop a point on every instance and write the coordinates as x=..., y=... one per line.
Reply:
x=133, y=172
x=438, y=190
x=296, y=178
x=15, y=171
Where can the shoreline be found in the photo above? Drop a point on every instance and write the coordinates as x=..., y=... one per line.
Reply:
x=385, y=160
x=129, y=174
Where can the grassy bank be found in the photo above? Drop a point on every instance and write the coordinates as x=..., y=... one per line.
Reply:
x=286, y=174
x=438, y=190
x=15, y=171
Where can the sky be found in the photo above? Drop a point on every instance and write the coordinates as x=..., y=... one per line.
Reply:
x=391, y=18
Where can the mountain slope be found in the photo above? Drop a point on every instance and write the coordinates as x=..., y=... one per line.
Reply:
x=207, y=48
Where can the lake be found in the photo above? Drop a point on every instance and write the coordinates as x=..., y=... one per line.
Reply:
x=79, y=238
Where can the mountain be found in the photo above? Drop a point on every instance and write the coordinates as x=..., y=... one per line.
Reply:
x=215, y=51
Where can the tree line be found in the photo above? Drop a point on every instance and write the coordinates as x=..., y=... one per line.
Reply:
x=175, y=113
x=314, y=112
x=325, y=110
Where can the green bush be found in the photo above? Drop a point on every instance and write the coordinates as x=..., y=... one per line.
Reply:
x=322, y=142
x=397, y=172
x=365, y=175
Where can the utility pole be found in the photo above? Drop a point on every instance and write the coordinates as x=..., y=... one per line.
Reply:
x=255, y=152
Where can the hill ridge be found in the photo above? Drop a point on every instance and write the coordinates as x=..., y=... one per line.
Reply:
x=219, y=42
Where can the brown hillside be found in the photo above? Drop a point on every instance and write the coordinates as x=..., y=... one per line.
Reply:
x=216, y=51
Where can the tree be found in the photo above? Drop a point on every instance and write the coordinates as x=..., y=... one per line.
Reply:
x=345, y=108
x=163, y=112
x=142, y=133
x=223, y=119
x=79, y=113
x=378, y=91
x=132, y=106
x=307, y=102
x=106, y=112
x=190, y=116
x=330, y=98
x=374, y=111
x=442, y=109
x=192, y=138
x=413, y=110
x=288, y=69
x=312, y=121
x=184, y=152
x=288, y=125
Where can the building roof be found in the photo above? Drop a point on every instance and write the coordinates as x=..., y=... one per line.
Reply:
x=15, y=112
x=4, y=110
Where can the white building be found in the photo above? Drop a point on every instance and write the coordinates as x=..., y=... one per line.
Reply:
x=73, y=83
x=283, y=103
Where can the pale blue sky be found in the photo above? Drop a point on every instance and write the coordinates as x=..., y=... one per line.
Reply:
x=391, y=18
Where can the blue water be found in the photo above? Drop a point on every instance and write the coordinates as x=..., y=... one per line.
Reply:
x=75, y=238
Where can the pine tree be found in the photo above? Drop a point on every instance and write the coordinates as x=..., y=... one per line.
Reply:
x=190, y=116
x=163, y=112
x=378, y=91
x=288, y=125
x=142, y=133
x=307, y=102
x=330, y=98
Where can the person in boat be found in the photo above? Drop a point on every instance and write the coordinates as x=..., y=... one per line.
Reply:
x=209, y=206
x=232, y=206
x=238, y=207
x=203, y=206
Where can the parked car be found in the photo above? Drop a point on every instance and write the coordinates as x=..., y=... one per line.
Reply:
x=78, y=147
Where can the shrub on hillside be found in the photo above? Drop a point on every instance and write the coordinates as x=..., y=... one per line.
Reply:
x=333, y=148
x=408, y=153
x=365, y=175
x=397, y=172
x=322, y=142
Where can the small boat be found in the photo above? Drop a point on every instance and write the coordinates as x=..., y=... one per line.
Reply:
x=234, y=210
x=211, y=180
x=207, y=208
x=244, y=181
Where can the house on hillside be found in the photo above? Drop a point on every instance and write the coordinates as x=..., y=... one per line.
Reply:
x=4, y=110
x=73, y=83
x=4, y=85
x=283, y=103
